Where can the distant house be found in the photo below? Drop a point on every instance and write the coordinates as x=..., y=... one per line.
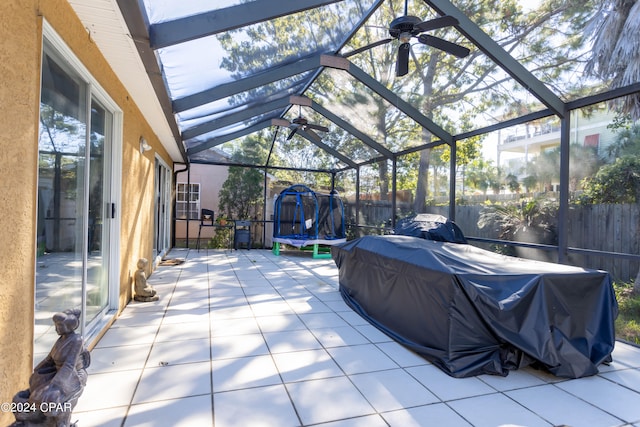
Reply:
x=194, y=192
x=521, y=144
x=199, y=190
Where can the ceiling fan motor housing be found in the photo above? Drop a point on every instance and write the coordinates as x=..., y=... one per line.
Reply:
x=403, y=24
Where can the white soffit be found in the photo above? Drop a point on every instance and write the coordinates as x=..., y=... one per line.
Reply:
x=106, y=27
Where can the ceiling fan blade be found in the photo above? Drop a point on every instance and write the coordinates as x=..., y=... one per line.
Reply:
x=312, y=134
x=367, y=47
x=434, y=24
x=293, y=132
x=438, y=43
x=402, y=64
x=317, y=127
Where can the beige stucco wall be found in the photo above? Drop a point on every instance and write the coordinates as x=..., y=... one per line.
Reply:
x=19, y=91
x=20, y=54
x=210, y=179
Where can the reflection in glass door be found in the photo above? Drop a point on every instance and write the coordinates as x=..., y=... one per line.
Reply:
x=73, y=194
x=97, y=289
x=162, y=208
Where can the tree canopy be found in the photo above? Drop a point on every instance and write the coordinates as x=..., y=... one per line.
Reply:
x=615, y=56
x=241, y=194
x=618, y=182
x=460, y=95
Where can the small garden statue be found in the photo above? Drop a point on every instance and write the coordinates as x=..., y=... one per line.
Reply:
x=143, y=291
x=58, y=381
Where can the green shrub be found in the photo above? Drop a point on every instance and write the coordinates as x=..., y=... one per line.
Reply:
x=628, y=321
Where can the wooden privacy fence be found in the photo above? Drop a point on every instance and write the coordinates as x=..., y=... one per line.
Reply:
x=607, y=228
x=610, y=228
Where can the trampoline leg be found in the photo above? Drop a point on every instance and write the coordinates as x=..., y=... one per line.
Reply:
x=276, y=248
x=318, y=254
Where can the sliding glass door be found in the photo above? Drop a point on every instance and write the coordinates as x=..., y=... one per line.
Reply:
x=99, y=213
x=75, y=211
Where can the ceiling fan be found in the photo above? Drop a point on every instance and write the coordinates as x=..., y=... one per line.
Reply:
x=405, y=27
x=302, y=123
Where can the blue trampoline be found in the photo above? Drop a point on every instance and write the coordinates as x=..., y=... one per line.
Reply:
x=308, y=220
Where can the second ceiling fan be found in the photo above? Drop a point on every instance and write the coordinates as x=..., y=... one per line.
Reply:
x=406, y=27
x=301, y=123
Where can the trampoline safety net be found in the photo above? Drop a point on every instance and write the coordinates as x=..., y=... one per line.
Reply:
x=302, y=214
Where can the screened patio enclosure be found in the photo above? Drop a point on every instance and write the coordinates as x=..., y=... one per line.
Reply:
x=525, y=120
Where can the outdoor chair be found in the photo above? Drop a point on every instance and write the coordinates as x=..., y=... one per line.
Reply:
x=206, y=220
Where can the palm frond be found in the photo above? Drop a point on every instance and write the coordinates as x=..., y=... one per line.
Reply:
x=616, y=49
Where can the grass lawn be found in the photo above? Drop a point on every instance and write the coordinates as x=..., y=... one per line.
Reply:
x=628, y=322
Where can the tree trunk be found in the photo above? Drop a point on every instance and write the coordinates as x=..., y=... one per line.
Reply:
x=383, y=174
x=383, y=168
x=423, y=181
x=422, y=187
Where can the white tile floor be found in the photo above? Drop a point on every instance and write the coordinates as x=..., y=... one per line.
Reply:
x=245, y=338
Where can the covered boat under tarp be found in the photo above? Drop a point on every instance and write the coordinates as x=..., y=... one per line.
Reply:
x=471, y=311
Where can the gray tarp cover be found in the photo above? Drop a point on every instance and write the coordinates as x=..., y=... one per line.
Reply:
x=430, y=227
x=471, y=311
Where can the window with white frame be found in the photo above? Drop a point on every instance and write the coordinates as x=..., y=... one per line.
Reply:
x=188, y=201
